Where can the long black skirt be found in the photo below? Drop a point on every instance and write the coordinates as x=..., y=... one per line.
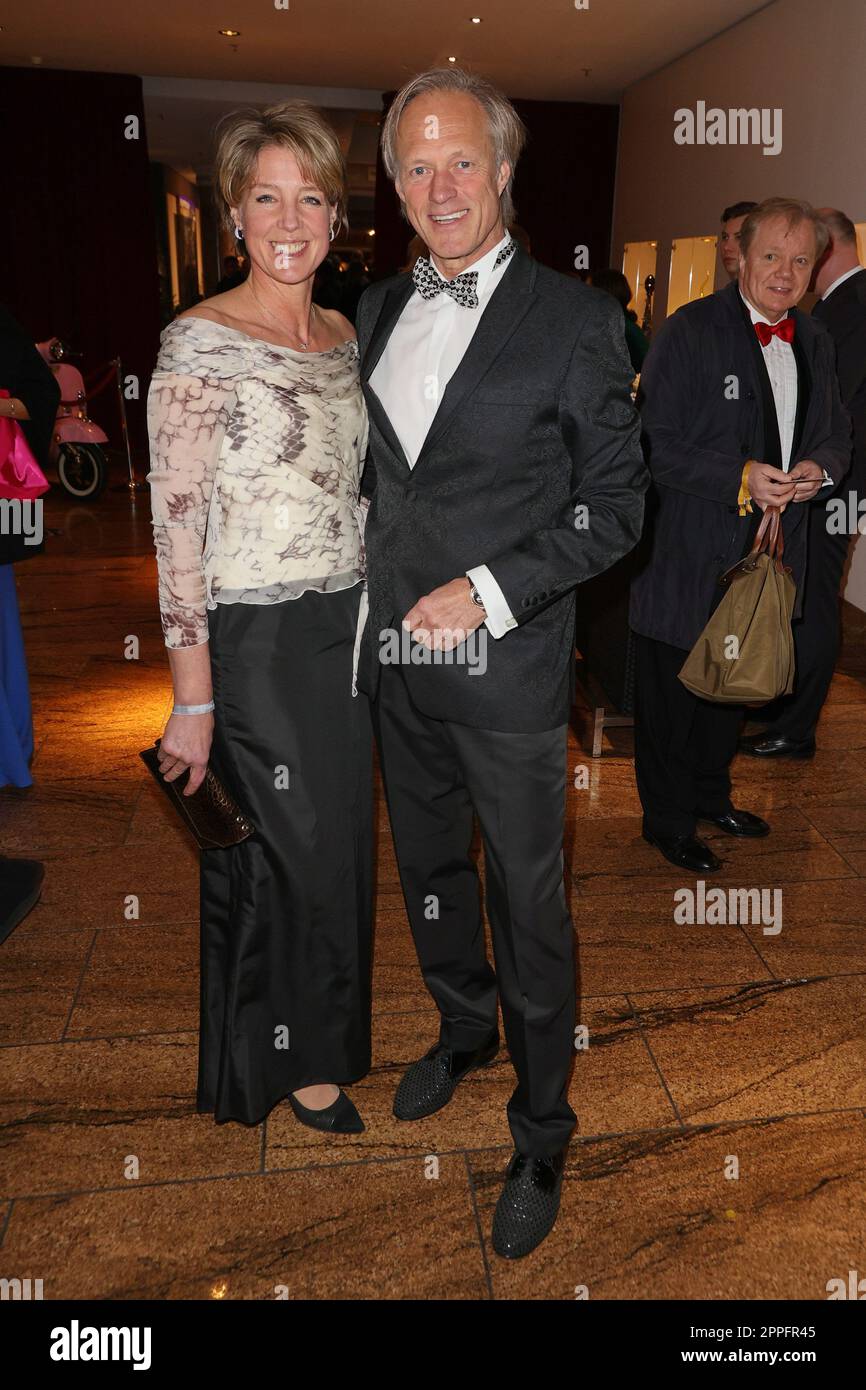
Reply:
x=286, y=915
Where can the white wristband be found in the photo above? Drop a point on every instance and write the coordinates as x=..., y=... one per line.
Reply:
x=193, y=709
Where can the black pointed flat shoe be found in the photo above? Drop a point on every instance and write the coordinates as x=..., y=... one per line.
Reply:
x=528, y=1204
x=341, y=1117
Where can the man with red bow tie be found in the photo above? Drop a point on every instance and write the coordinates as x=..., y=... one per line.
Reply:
x=740, y=409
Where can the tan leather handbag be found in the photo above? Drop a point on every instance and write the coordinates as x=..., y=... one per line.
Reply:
x=745, y=654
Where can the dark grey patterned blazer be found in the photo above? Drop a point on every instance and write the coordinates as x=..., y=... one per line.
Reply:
x=536, y=422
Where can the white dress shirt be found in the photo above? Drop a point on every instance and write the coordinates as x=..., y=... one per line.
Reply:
x=782, y=371
x=781, y=367
x=425, y=349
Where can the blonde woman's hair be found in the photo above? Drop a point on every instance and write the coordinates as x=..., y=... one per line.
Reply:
x=506, y=131
x=293, y=125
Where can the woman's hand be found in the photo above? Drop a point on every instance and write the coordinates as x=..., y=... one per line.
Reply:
x=186, y=743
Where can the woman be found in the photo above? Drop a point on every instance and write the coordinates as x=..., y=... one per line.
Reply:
x=32, y=397
x=615, y=283
x=257, y=429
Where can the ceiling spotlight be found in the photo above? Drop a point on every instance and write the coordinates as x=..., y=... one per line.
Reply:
x=475, y=20
x=372, y=231
x=230, y=33
x=452, y=60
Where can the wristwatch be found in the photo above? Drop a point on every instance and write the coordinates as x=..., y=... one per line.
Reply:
x=476, y=597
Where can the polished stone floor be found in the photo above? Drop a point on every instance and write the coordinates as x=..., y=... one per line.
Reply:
x=710, y=1047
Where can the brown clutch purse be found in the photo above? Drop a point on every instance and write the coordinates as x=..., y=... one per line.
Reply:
x=214, y=819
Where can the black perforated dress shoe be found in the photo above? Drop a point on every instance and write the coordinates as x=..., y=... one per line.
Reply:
x=686, y=851
x=741, y=823
x=431, y=1082
x=528, y=1204
x=777, y=746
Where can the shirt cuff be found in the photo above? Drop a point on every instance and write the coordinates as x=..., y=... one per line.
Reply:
x=500, y=618
x=828, y=482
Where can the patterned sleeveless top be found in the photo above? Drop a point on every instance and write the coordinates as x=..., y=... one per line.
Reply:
x=256, y=456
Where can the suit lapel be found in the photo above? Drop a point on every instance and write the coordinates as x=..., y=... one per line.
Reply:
x=804, y=386
x=505, y=310
x=772, y=442
x=507, y=306
x=392, y=307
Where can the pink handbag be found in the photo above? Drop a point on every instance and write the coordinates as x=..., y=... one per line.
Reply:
x=20, y=474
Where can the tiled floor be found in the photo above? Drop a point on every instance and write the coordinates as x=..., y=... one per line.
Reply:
x=710, y=1048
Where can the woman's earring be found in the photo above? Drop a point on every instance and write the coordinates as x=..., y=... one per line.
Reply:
x=331, y=233
x=239, y=233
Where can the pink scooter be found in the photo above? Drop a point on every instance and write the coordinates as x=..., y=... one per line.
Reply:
x=76, y=446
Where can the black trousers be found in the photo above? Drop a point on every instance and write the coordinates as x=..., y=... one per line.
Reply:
x=816, y=634
x=436, y=774
x=683, y=746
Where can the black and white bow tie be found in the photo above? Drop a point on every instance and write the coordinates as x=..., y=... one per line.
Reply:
x=429, y=282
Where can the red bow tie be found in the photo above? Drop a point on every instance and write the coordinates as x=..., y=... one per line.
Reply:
x=784, y=329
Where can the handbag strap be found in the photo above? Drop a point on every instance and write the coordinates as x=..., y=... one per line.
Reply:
x=769, y=536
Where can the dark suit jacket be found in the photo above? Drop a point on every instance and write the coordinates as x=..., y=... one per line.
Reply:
x=707, y=407
x=536, y=420
x=844, y=316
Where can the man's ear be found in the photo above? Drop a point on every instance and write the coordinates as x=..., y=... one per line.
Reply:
x=504, y=175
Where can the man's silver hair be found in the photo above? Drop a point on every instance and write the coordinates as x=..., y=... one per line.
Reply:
x=506, y=130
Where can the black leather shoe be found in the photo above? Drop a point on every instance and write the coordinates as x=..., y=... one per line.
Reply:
x=431, y=1082
x=777, y=746
x=686, y=851
x=339, y=1118
x=20, y=888
x=528, y=1204
x=741, y=823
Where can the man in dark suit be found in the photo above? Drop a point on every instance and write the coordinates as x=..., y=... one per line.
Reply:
x=505, y=468
x=729, y=238
x=840, y=281
x=741, y=409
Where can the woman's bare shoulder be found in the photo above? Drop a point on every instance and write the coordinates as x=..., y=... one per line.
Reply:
x=220, y=308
